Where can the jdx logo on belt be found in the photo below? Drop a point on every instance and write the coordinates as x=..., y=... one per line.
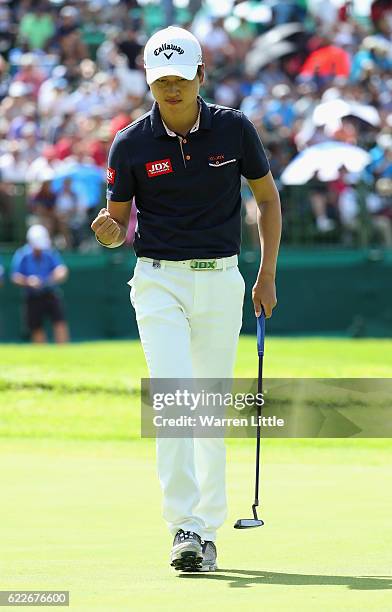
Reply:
x=203, y=265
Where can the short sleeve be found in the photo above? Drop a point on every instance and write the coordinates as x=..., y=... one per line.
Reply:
x=254, y=162
x=17, y=263
x=120, y=178
x=56, y=259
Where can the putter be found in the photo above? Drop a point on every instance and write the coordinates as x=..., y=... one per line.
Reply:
x=255, y=521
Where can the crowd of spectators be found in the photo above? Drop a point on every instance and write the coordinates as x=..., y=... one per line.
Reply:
x=71, y=76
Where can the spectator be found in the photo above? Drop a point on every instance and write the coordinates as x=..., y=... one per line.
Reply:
x=108, y=50
x=380, y=206
x=383, y=168
x=273, y=75
x=288, y=11
x=216, y=43
x=71, y=78
x=39, y=270
x=93, y=26
x=5, y=78
x=378, y=209
x=30, y=74
x=99, y=144
x=319, y=200
x=12, y=105
x=42, y=203
x=381, y=11
x=279, y=111
x=132, y=83
x=68, y=38
x=13, y=166
x=52, y=96
x=242, y=37
x=27, y=117
x=371, y=57
x=37, y=26
x=7, y=29
x=69, y=216
x=128, y=44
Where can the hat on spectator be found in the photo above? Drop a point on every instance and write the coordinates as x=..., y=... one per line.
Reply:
x=59, y=72
x=384, y=186
x=384, y=140
x=69, y=11
x=172, y=51
x=47, y=174
x=18, y=89
x=27, y=59
x=376, y=43
x=29, y=129
x=38, y=237
x=280, y=91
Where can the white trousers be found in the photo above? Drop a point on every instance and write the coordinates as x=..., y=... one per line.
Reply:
x=189, y=323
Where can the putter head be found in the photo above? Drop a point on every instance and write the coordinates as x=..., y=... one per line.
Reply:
x=248, y=523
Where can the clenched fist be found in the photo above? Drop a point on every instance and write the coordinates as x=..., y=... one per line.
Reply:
x=107, y=230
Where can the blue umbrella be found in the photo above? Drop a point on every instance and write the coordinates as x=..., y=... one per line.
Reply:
x=86, y=182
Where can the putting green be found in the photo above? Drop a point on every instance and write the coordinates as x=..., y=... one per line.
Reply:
x=80, y=500
x=85, y=517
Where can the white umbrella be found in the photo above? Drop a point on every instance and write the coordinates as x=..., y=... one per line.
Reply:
x=325, y=159
x=278, y=34
x=328, y=112
x=253, y=12
x=258, y=58
x=271, y=46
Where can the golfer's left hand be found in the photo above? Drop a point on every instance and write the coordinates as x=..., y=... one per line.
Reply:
x=264, y=294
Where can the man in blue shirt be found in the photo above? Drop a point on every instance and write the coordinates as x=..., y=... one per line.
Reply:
x=182, y=162
x=39, y=269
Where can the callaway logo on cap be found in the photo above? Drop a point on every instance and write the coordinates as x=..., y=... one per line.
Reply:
x=172, y=51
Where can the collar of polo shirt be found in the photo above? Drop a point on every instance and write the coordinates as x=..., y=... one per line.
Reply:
x=203, y=122
x=193, y=129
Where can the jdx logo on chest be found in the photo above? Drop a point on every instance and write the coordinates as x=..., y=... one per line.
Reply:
x=161, y=166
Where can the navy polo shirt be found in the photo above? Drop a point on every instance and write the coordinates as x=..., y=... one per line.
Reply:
x=187, y=189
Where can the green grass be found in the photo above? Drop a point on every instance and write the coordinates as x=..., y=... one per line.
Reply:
x=91, y=391
x=80, y=500
x=118, y=366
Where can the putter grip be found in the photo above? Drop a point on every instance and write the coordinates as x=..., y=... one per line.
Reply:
x=260, y=333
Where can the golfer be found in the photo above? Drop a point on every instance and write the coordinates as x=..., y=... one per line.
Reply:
x=183, y=161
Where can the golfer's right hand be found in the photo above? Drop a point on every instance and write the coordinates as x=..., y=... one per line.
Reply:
x=106, y=229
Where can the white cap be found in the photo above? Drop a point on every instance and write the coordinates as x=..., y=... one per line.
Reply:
x=172, y=51
x=69, y=11
x=38, y=237
x=18, y=89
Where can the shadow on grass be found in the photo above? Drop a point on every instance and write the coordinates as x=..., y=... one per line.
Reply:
x=245, y=578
